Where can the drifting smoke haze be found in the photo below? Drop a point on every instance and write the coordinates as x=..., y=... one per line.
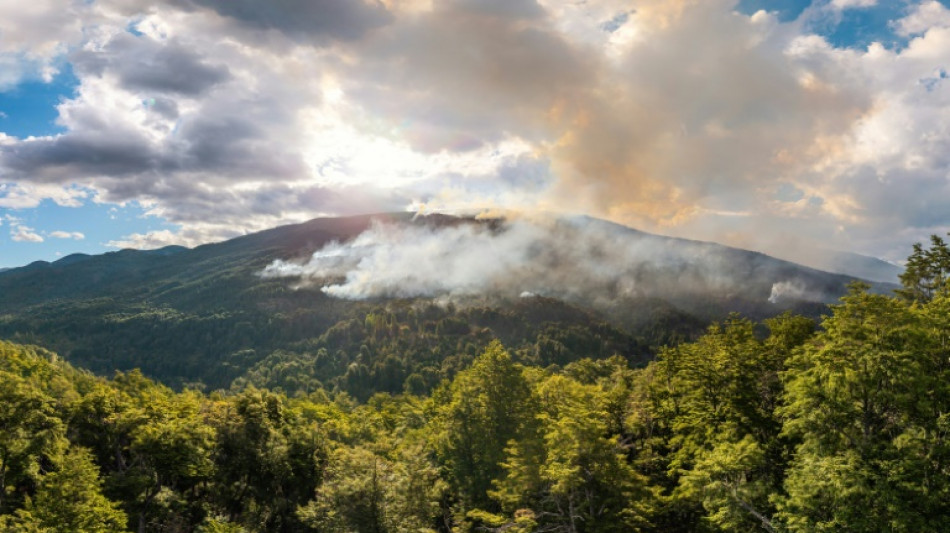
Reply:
x=575, y=259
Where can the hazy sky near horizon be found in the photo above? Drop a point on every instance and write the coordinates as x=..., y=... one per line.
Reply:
x=766, y=124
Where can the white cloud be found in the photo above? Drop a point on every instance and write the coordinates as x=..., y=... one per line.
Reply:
x=75, y=235
x=890, y=171
x=146, y=241
x=25, y=195
x=197, y=234
x=847, y=4
x=35, y=35
x=20, y=233
x=927, y=15
x=669, y=115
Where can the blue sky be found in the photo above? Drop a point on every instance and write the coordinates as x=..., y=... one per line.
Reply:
x=787, y=10
x=852, y=28
x=29, y=108
x=98, y=224
x=128, y=124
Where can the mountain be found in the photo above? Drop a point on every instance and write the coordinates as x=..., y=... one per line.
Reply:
x=847, y=263
x=862, y=266
x=207, y=316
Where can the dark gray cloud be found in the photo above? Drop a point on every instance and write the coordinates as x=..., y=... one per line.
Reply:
x=222, y=145
x=510, y=9
x=165, y=107
x=146, y=65
x=224, y=150
x=80, y=155
x=189, y=202
x=304, y=20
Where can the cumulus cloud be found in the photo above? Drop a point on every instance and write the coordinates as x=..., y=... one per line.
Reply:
x=29, y=195
x=705, y=110
x=927, y=15
x=35, y=36
x=21, y=233
x=149, y=65
x=684, y=117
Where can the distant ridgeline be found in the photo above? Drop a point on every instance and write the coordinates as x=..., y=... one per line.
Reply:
x=775, y=426
x=227, y=314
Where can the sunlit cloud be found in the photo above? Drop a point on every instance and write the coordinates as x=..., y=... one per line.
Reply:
x=682, y=117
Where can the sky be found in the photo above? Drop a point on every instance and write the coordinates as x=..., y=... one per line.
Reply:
x=779, y=126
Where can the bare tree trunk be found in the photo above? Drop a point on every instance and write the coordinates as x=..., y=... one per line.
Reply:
x=572, y=514
x=766, y=523
x=3, y=480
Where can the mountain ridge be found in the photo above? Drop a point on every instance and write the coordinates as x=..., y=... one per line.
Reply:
x=206, y=315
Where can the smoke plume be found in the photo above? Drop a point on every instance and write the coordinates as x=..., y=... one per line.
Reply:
x=574, y=259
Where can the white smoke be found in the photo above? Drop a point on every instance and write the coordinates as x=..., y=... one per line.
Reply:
x=785, y=291
x=575, y=259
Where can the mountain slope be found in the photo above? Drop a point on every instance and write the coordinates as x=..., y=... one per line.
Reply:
x=847, y=263
x=207, y=315
x=870, y=268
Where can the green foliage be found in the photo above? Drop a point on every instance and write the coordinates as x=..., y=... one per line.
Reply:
x=725, y=479
x=867, y=399
x=364, y=491
x=481, y=410
x=218, y=525
x=246, y=330
x=408, y=418
x=571, y=471
x=410, y=347
x=31, y=437
x=267, y=461
x=352, y=498
x=70, y=499
x=926, y=272
x=704, y=420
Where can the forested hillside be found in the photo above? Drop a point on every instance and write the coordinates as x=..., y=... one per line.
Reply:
x=787, y=425
x=206, y=316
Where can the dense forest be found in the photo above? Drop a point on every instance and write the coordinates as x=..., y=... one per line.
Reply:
x=785, y=425
x=207, y=317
